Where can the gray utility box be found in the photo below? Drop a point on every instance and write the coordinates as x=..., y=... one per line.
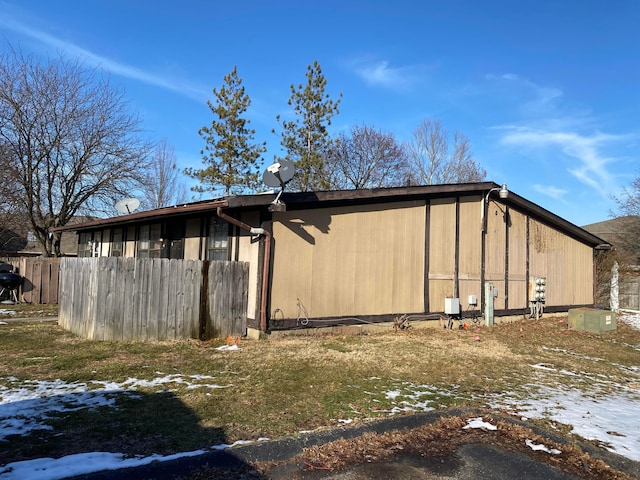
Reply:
x=592, y=320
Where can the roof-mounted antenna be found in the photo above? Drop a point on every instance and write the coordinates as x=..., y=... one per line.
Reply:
x=278, y=175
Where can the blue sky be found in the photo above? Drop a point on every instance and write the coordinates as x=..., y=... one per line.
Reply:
x=548, y=92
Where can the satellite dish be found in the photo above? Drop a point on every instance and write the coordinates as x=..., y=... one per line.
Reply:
x=278, y=174
x=127, y=205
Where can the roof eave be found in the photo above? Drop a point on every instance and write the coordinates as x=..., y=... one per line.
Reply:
x=175, y=210
x=323, y=198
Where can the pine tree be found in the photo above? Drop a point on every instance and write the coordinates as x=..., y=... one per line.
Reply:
x=230, y=156
x=306, y=138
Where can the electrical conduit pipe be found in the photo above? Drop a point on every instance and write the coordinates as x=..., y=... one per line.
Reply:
x=265, y=265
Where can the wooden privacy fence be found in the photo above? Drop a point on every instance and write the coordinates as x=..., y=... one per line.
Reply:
x=39, y=278
x=141, y=299
x=227, y=298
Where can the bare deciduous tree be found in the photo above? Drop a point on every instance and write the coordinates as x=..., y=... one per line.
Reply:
x=163, y=186
x=434, y=161
x=366, y=158
x=72, y=145
x=12, y=234
x=627, y=242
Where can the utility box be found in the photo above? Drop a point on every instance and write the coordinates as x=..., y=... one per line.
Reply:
x=592, y=320
x=452, y=306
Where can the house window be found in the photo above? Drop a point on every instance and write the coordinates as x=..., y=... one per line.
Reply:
x=89, y=244
x=218, y=240
x=117, y=242
x=174, y=233
x=149, y=241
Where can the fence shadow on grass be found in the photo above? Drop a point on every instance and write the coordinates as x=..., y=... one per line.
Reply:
x=156, y=428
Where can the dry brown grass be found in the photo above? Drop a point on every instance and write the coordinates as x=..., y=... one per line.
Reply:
x=280, y=386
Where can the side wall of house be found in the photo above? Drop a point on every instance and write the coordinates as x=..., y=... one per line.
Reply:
x=470, y=252
x=566, y=263
x=408, y=257
x=496, y=246
x=402, y=257
x=349, y=261
x=517, y=262
x=441, y=251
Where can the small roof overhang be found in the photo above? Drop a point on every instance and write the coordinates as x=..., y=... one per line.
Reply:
x=147, y=215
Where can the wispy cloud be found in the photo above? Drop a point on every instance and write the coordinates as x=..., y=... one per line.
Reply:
x=536, y=99
x=7, y=22
x=380, y=73
x=548, y=124
x=550, y=191
x=592, y=168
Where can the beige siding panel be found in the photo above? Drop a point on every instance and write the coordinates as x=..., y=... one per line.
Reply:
x=438, y=291
x=517, y=293
x=469, y=287
x=470, y=253
x=349, y=260
x=130, y=245
x=106, y=243
x=292, y=260
x=517, y=260
x=565, y=262
x=499, y=301
x=249, y=251
x=495, y=243
x=442, y=234
x=192, y=242
x=495, y=248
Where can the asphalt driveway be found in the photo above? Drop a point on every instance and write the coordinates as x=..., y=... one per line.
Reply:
x=469, y=462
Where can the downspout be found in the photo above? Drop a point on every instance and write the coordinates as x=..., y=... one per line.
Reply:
x=266, y=263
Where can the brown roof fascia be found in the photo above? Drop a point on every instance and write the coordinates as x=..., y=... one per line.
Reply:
x=319, y=199
x=158, y=213
x=298, y=199
x=554, y=220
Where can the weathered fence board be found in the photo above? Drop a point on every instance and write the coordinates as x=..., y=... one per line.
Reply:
x=227, y=292
x=40, y=278
x=115, y=298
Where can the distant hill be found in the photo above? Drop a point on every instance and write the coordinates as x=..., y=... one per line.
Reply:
x=612, y=230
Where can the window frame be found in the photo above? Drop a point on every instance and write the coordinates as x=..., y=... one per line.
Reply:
x=218, y=240
x=150, y=242
x=114, y=251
